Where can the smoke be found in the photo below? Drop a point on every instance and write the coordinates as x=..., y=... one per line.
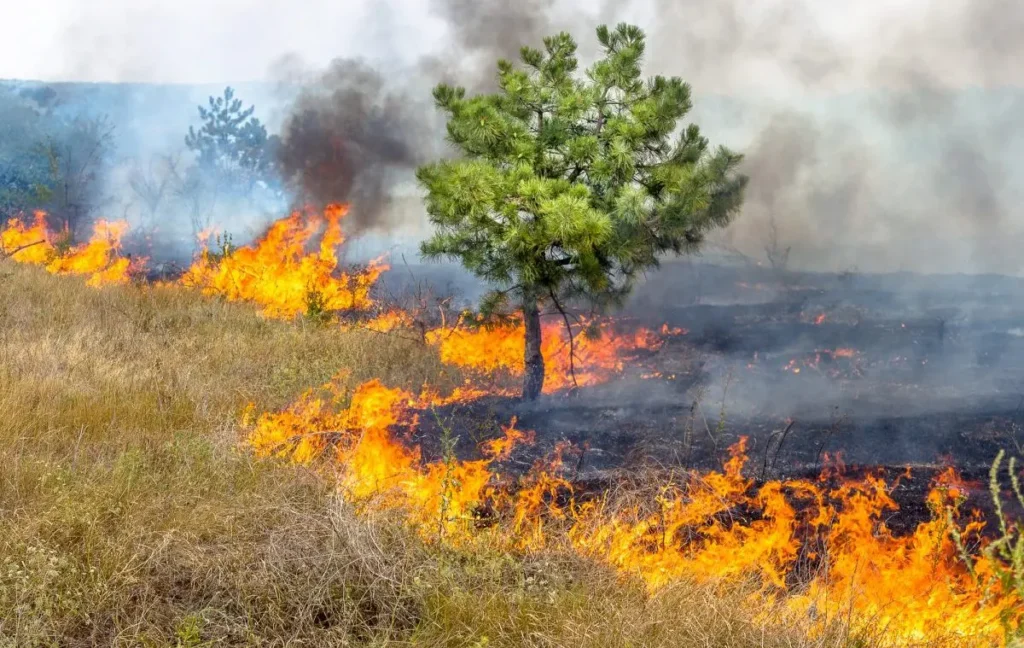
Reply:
x=356, y=132
x=891, y=147
x=483, y=32
x=885, y=144
x=345, y=135
x=884, y=138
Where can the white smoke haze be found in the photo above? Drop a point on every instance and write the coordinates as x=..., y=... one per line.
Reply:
x=879, y=136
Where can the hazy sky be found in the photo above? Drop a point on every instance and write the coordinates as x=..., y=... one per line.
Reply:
x=199, y=40
x=238, y=40
x=917, y=174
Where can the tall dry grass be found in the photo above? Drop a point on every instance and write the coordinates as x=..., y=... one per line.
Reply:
x=130, y=517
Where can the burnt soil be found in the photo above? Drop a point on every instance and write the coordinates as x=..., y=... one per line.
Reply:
x=930, y=373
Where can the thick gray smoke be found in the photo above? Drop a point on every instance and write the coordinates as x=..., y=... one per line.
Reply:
x=483, y=32
x=895, y=151
x=345, y=136
x=892, y=152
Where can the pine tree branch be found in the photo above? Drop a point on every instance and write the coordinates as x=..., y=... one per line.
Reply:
x=568, y=330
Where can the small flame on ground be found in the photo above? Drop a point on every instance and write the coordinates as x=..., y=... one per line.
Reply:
x=99, y=259
x=591, y=360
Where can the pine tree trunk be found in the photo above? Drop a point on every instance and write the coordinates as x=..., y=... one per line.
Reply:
x=533, y=377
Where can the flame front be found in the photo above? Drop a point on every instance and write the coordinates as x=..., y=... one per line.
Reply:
x=27, y=244
x=99, y=259
x=589, y=360
x=375, y=469
x=281, y=275
x=819, y=549
x=824, y=552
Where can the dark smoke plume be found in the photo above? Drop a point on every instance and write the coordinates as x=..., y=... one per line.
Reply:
x=345, y=136
x=352, y=136
x=483, y=32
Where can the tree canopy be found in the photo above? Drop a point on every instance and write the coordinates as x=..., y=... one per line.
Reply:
x=570, y=185
x=231, y=141
x=25, y=177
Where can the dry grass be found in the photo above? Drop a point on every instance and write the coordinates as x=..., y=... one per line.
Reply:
x=128, y=516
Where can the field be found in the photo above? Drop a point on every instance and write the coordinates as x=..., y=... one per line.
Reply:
x=485, y=408
x=132, y=516
x=185, y=470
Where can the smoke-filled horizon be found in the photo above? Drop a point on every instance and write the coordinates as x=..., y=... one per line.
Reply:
x=881, y=139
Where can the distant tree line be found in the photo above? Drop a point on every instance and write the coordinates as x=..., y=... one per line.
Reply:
x=68, y=164
x=51, y=162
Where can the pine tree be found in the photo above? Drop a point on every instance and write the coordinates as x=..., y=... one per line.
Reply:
x=231, y=142
x=569, y=186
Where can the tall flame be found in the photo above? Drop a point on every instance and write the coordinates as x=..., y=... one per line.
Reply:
x=27, y=243
x=281, y=275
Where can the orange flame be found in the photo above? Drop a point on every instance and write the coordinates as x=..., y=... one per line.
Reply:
x=377, y=469
x=388, y=321
x=494, y=349
x=27, y=244
x=717, y=526
x=99, y=259
x=822, y=547
x=279, y=274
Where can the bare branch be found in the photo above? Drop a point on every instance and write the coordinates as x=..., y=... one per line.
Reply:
x=568, y=330
x=11, y=253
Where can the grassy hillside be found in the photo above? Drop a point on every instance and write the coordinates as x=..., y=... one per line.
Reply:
x=130, y=516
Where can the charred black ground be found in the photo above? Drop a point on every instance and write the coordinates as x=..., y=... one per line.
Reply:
x=885, y=371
